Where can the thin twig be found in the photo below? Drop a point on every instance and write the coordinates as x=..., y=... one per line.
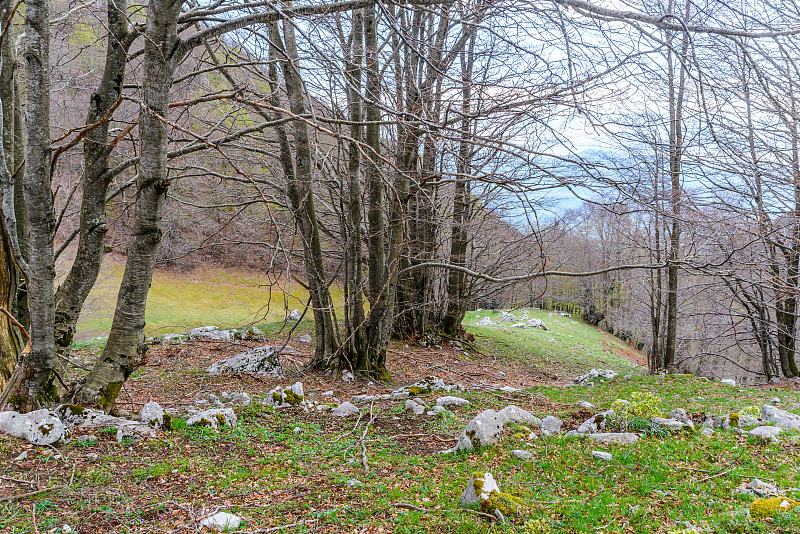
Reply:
x=29, y=494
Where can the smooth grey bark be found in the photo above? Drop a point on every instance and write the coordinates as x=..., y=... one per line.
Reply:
x=301, y=195
x=125, y=346
x=373, y=361
x=95, y=181
x=356, y=340
x=676, y=101
x=456, y=280
x=40, y=360
x=10, y=275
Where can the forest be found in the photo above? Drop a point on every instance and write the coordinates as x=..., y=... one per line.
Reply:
x=388, y=173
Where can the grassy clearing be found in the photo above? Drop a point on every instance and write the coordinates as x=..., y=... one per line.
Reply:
x=204, y=296
x=567, y=346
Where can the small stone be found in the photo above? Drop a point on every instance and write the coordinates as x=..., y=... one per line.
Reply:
x=707, y=432
x=621, y=438
x=522, y=455
x=451, y=401
x=295, y=315
x=345, y=409
x=263, y=361
x=22, y=457
x=509, y=389
x=413, y=406
x=586, y=404
x=92, y=457
x=327, y=393
x=551, y=425
x=775, y=401
x=305, y=338
x=213, y=418
x=353, y=483
x=348, y=377
x=221, y=521
x=761, y=488
x=297, y=430
x=728, y=382
x=66, y=529
x=600, y=455
x=153, y=414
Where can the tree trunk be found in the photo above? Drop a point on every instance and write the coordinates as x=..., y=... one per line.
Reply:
x=40, y=361
x=456, y=290
x=301, y=195
x=675, y=156
x=381, y=300
x=82, y=276
x=355, y=324
x=125, y=347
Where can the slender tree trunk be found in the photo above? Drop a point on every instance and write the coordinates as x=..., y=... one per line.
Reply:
x=381, y=299
x=456, y=306
x=301, y=195
x=10, y=277
x=356, y=329
x=40, y=361
x=82, y=276
x=675, y=157
x=125, y=347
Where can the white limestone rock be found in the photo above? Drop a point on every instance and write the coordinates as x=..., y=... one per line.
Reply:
x=550, y=425
x=766, y=433
x=345, y=409
x=295, y=315
x=619, y=438
x=485, y=429
x=486, y=321
x=153, y=414
x=507, y=317
x=595, y=374
x=221, y=521
x=211, y=333
x=600, y=455
x=728, y=382
x=263, y=361
x=451, y=401
x=214, y=418
x=413, y=405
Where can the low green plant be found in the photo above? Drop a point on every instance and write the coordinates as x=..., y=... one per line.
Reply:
x=635, y=414
x=752, y=411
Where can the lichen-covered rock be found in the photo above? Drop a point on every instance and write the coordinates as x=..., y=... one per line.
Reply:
x=781, y=418
x=252, y=333
x=487, y=426
x=550, y=425
x=41, y=427
x=486, y=321
x=771, y=506
x=593, y=375
x=262, y=361
x=295, y=315
x=765, y=433
x=214, y=418
x=619, y=438
x=211, y=333
x=305, y=338
x=283, y=397
x=153, y=414
x=451, y=401
x=413, y=405
x=221, y=521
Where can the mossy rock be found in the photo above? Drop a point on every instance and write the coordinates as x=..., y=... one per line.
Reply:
x=509, y=505
x=290, y=398
x=733, y=419
x=772, y=506
x=417, y=390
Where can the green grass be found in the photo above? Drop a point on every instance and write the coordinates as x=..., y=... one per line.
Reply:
x=207, y=296
x=568, y=344
x=272, y=477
